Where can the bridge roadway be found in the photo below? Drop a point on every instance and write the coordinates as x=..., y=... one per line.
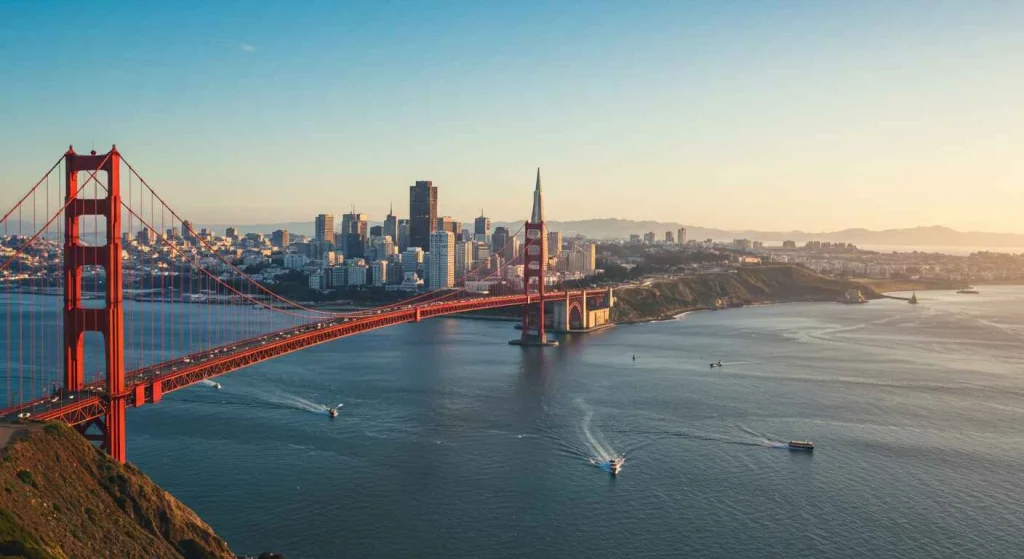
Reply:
x=148, y=384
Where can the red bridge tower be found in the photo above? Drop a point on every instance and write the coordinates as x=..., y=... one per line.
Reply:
x=108, y=320
x=535, y=261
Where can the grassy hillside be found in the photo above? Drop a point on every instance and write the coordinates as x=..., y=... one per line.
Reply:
x=745, y=286
x=63, y=498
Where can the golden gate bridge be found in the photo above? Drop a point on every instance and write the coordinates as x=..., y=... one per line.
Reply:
x=79, y=348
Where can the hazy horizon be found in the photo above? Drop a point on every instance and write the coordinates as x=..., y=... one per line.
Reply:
x=738, y=115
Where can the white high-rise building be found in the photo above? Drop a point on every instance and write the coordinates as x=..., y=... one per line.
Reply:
x=463, y=258
x=441, y=271
x=681, y=236
x=380, y=273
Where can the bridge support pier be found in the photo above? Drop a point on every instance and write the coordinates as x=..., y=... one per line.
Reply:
x=109, y=320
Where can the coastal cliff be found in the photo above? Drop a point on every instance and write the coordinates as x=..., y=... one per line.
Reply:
x=63, y=498
x=739, y=287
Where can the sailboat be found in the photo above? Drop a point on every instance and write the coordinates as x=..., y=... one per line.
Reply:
x=913, y=299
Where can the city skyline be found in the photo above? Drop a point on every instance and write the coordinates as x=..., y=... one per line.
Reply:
x=769, y=116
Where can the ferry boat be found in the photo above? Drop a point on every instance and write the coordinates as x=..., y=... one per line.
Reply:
x=968, y=291
x=801, y=445
x=913, y=299
x=615, y=465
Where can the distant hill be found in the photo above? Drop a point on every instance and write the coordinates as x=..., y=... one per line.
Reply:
x=915, y=236
x=613, y=228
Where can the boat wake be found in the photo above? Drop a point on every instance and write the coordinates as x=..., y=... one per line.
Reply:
x=278, y=400
x=595, y=445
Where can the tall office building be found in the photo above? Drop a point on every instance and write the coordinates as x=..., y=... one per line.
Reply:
x=188, y=233
x=589, y=251
x=280, y=238
x=482, y=228
x=403, y=235
x=554, y=243
x=681, y=236
x=422, y=213
x=391, y=227
x=324, y=229
x=382, y=248
x=669, y=239
x=501, y=242
x=446, y=223
x=354, y=231
x=231, y=233
x=463, y=258
x=441, y=271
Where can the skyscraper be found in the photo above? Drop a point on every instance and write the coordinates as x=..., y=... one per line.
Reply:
x=441, y=271
x=422, y=213
x=231, y=233
x=354, y=231
x=681, y=236
x=482, y=228
x=463, y=258
x=669, y=239
x=501, y=241
x=446, y=223
x=324, y=234
x=391, y=227
x=554, y=243
x=188, y=234
x=403, y=235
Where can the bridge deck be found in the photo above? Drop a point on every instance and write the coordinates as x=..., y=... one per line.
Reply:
x=147, y=385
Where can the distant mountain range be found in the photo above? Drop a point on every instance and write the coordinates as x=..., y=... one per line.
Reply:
x=611, y=228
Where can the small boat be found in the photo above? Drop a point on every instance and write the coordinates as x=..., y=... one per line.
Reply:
x=216, y=385
x=716, y=364
x=615, y=465
x=332, y=412
x=913, y=299
x=968, y=291
x=801, y=445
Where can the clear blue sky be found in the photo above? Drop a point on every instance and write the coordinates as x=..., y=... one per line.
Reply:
x=816, y=114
